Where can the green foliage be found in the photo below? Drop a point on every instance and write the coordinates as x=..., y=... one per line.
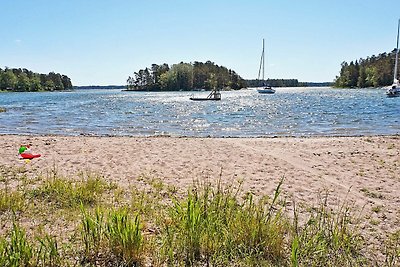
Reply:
x=66, y=194
x=113, y=238
x=11, y=201
x=212, y=226
x=17, y=250
x=209, y=226
x=124, y=236
x=327, y=239
x=185, y=76
x=92, y=231
x=371, y=72
x=26, y=80
x=392, y=250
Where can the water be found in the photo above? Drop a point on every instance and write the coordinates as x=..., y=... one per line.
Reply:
x=289, y=112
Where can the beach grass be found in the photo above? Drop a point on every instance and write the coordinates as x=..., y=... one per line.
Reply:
x=329, y=237
x=18, y=250
x=55, y=220
x=63, y=193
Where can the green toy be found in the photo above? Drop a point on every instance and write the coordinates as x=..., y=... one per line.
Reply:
x=23, y=148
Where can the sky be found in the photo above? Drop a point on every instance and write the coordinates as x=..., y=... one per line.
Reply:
x=100, y=42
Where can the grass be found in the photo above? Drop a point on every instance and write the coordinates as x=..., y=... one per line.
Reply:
x=209, y=225
x=371, y=194
x=17, y=250
x=328, y=238
x=11, y=200
x=392, y=250
x=377, y=208
x=116, y=237
x=65, y=193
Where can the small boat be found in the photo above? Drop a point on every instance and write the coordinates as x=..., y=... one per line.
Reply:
x=265, y=89
x=214, y=95
x=394, y=90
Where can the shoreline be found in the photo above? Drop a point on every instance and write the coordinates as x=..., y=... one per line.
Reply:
x=201, y=137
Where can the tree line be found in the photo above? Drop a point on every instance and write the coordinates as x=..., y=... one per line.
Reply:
x=17, y=79
x=375, y=71
x=185, y=76
x=276, y=83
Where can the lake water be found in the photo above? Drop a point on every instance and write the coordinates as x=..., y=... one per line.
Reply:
x=245, y=113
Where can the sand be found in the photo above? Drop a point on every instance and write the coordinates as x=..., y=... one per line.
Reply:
x=365, y=171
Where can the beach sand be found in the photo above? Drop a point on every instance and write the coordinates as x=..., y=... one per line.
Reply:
x=364, y=171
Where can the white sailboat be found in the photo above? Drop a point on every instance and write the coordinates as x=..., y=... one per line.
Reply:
x=265, y=89
x=394, y=90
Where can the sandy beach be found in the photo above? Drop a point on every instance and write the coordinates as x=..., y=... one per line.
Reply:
x=365, y=171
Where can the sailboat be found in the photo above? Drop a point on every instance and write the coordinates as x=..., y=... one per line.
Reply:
x=265, y=89
x=394, y=90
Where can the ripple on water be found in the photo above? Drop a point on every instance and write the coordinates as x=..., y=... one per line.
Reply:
x=245, y=113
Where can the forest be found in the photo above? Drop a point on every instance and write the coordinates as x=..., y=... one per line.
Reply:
x=374, y=71
x=185, y=77
x=23, y=80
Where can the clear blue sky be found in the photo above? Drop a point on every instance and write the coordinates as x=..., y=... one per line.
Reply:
x=99, y=42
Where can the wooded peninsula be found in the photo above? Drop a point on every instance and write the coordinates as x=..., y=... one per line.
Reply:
x=185, y=77
x=374, y=71
x=23, y=80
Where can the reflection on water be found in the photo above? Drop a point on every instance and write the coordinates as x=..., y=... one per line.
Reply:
x=245, y=113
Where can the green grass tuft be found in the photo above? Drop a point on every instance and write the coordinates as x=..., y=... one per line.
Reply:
x=211, y=226
x=392, y=250
x=65, y=193
x=11, y=201
x=115, y=238
x=17, y=250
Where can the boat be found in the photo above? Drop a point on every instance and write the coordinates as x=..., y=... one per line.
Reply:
x=266, y=88
x=394, y=90
x=214, y=95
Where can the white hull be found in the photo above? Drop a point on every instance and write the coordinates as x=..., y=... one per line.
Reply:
x=393, y=91
x=266, y=90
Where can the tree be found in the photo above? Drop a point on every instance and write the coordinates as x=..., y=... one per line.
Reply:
x=35, y=84
x=168, y=80
x=57, y=81
x=49, y=85
x=374, y=71
x=8, y=80
x=66, y=81
x=26, y=80
x=361, y=82
x=23, y=82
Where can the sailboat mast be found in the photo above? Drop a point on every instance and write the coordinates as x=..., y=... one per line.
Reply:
x=261, y=64
x=397, y=54
x=263, y=58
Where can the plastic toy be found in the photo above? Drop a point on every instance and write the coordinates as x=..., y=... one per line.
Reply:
x=25, y=152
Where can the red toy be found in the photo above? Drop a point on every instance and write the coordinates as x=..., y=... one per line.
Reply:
x=29, y=156
x=25, y=153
